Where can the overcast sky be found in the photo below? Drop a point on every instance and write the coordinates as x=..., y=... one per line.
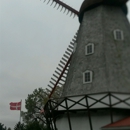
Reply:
x=33, y=38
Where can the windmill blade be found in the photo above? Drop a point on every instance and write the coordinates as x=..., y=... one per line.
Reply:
x=58, y=7
x=59, y=77
x=51, y=3
x=67, y=7
x=55, y=5
x=48, y=1
x=61, y=8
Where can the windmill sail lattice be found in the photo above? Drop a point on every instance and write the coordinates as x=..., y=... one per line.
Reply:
x=63, y=6
x=59, y=77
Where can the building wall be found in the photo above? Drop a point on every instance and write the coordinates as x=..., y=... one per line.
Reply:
x=110, y=61
x=80, y=120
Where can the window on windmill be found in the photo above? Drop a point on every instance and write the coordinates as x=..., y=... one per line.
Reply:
x=87, y=76
x=118, y=34
x=89, y=49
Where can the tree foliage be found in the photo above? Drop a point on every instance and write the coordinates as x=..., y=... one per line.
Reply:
x=19, y=126
x=35, y=102
x=35, y=126
x=2, y=127
x=30, y=126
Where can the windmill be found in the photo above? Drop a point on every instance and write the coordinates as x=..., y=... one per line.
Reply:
x=94, y=71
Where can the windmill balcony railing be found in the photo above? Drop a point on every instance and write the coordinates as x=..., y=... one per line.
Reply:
x=110, y=102
x=90, y=101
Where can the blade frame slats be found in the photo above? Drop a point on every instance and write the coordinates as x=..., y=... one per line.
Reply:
x=59, y=69
x=64, y=59
x=66, y=52
x=62, y=69
x=67, y=7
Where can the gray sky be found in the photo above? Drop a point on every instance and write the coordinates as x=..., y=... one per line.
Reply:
x=33, y=38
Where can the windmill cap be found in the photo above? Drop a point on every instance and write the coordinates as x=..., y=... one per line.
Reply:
x=90, y=4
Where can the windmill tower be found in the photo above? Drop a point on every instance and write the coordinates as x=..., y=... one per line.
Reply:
x=96, y=94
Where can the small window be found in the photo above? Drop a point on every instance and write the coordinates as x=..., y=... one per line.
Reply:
x=118, y=34
x=89, y=49
x=87, y=76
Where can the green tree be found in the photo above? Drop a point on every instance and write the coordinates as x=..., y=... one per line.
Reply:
x=35, y=126
x=2, y=127
x=36, y=100
x=19, y=126
x=34, y=104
